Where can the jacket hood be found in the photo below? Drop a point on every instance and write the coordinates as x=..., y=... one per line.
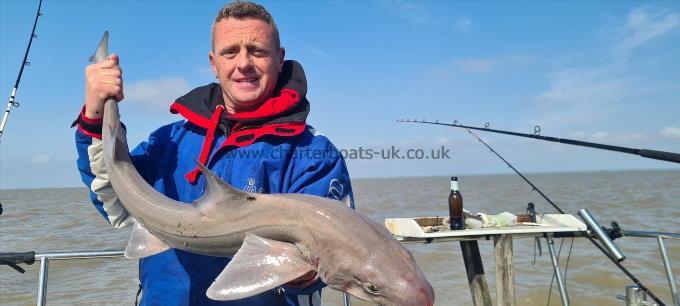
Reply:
x=288, y=105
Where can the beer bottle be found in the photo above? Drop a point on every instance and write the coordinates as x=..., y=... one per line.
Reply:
x=456, y=206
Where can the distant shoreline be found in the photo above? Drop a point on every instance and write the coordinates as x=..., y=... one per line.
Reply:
x=510, y=173
x=429, y=176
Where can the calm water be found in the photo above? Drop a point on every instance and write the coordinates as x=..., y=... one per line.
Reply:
x=50, y=220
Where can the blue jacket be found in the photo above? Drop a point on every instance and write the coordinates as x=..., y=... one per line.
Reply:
x=270, y=150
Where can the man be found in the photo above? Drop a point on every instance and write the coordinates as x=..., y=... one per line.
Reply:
x=250, y=129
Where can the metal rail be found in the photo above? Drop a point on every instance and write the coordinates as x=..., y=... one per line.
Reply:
x=646, y=234
x=44, y=266
x=561, y=282
x=44, y=259
x=664, y=256
x=80, y=254
x=669, y=271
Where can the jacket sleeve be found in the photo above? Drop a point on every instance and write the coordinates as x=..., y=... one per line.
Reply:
x=325, y=177
x=93, y=170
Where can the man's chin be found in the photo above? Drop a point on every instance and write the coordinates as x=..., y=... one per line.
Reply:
x=248, y=104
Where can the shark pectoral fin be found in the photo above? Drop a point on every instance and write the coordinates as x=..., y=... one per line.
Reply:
x=259, y=265
x=143, y=244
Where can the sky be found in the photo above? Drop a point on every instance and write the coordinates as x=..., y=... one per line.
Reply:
x=602, y=71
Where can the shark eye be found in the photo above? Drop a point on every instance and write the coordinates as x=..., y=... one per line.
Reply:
x=371, y=288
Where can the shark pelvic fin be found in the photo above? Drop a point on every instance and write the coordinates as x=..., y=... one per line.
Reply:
x=217, y=192
x=142, y=243
x=260, y=265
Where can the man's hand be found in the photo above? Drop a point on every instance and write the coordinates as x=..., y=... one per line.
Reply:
x=102, y=80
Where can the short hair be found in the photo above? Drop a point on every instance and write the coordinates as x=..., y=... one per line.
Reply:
x=245, y=10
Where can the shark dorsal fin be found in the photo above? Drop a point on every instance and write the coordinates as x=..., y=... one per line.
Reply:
x=260, y=264
x=217, y=192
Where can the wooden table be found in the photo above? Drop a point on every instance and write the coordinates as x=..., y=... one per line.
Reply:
x=408, y=230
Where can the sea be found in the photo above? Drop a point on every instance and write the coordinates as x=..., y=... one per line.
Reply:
x=63, y=220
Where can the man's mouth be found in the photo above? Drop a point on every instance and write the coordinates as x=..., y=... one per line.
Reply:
x=247, y=83
x=246, y=80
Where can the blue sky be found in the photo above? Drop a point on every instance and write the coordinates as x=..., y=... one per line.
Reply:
x=599, y=71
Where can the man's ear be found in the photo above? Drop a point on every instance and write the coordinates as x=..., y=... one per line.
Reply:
x=211, y=56
x=282, y=56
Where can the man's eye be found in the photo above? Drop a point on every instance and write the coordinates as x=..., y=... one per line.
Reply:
x=259, y=52
x=230, y=53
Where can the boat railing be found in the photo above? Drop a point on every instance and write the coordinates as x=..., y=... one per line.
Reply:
x=14, y=259
x=664, y=257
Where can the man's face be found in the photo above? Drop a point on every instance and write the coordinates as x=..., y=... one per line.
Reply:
x=247, y=61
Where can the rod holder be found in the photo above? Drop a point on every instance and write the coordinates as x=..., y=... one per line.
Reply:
x=635, y=296
x=596, y=228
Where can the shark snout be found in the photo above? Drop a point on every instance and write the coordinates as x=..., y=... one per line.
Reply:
x=428, y=296
x=417, y=294
x=424, y=295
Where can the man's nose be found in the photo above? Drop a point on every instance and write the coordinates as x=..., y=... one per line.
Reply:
x=244, y=60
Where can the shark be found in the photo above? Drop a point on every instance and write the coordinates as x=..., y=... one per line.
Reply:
x=273, y=238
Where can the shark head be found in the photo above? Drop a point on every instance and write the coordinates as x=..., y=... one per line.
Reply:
x=384, y=275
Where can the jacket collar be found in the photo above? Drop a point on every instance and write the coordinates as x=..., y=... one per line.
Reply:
x=287, y=106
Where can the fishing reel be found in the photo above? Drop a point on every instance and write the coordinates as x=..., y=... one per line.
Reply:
x=615, y=231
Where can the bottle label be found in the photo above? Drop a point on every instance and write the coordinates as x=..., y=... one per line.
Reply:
x=454, y=185
x=457, y=224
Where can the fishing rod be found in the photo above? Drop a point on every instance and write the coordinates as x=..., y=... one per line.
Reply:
x=24, y=63
x=617, y=263
x=653, y=154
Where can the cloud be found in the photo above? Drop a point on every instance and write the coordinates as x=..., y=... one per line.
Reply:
x=579, y=135
x=632, y=136
x=486, y=64
x=407, y=10
x=475, y=65
x=156, y=93
x=645, y=24
x=518, y=58
x=584, y=86
x=671, y=132
x=443, y=140
x=317, y=51
x=40, y=158
x=205, y=70
x=589, y=92
x=580, y=95
x=599, y=135
x=463, y=24
x=602, y=136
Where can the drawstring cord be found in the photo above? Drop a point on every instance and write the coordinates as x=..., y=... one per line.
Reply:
x=207, y=144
